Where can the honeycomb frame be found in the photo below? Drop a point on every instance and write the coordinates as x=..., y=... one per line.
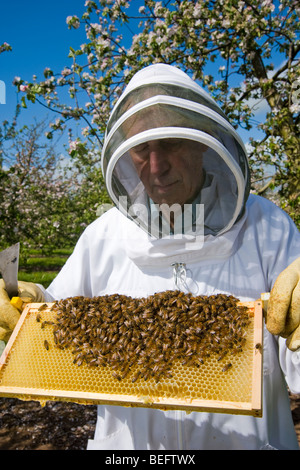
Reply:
x=33, y=368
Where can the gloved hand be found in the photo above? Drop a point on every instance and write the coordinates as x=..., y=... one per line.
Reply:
x=283, y=315
x=10, y=315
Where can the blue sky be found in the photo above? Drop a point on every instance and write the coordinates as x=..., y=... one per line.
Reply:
x=40, y=38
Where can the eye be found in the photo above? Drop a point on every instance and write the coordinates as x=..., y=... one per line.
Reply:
x=140, y=148
x=140, y=152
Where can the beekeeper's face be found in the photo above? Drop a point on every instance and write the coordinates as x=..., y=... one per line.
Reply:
x=170, y=169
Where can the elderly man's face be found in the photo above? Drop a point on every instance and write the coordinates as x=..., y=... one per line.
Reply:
x=170, y=169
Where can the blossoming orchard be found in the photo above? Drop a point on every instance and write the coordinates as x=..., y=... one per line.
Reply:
x=229, y=46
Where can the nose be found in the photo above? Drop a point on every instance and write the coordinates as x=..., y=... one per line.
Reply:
x=158, y=159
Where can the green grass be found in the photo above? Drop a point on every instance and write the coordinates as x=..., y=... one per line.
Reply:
x=40, y=277
x=42, y=269
x=46, y=262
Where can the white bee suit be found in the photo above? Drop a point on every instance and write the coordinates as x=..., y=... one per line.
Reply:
x=241, y=254
x=115, y=256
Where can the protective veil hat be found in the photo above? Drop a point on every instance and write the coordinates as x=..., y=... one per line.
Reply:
x=162, y=103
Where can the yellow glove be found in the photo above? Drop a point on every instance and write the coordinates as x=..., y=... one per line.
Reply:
x=10, y=315
x=283, y=315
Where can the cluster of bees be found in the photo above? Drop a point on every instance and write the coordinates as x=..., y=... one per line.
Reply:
x=145, y=336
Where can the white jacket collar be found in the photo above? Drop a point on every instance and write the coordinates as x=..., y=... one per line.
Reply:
x=147, y=252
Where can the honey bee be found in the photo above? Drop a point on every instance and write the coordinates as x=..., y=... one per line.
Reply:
x=227, y=367
x=42, y=307
x=46, y=345
x=222, y=356
x=135, y=377
x=116, y=376
x=124, y=374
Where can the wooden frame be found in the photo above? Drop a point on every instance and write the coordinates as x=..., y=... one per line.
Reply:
x=252, y=407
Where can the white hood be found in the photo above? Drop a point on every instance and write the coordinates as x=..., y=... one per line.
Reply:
x=168, y=104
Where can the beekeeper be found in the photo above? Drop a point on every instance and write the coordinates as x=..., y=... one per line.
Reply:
x=178, y=175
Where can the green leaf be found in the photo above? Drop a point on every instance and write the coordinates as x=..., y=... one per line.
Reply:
x=23, y=102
